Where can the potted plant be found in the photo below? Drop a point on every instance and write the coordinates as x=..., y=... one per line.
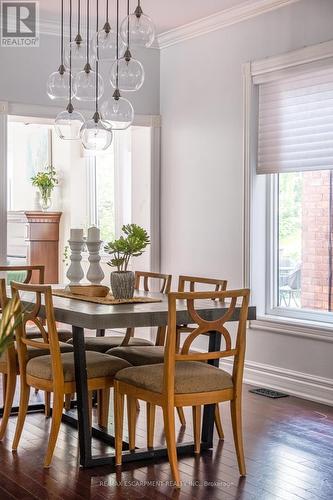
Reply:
x=45, y=181
x=133, y=244
x=9, y=320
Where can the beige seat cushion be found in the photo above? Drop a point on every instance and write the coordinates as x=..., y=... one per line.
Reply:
x=63, y=334
x=190, y=377
x=103, y=344
x=98, y=365
x=32, y=352
x=139, y=355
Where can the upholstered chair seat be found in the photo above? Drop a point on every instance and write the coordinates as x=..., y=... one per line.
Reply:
x=33, y=352
x=190, y=377
x=98, y=365
x=139, y=355
x=103, y=344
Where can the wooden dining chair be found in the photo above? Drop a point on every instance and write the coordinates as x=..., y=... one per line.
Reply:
x=9, y=366
x=191, y=283
x=187, y=378
x=55, y=372
x=149, y=355
x=25, y=274
x=162, y=283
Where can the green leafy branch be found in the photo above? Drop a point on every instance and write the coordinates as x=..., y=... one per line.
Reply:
x=133, y=244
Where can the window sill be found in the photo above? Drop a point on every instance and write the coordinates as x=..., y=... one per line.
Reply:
x=294, y=327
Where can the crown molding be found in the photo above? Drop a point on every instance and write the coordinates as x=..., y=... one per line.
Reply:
x=222, y=19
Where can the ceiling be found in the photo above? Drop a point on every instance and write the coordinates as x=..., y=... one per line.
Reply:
x=166, y=14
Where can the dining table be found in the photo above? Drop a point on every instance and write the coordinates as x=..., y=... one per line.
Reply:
x=81, y=315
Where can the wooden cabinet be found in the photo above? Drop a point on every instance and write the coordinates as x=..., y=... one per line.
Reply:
x=43, y=242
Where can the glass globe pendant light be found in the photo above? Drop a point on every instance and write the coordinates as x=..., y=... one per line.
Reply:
x=95, y=134
x=117, y=112
x=58, y=82
x=76, y=49
x=68, y=123
x=128, y=72
x=141, y=28
x=84, y=81
x=104, y=41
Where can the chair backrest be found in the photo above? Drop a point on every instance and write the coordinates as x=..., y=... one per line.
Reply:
x=164, y=280
x=188, y=283
x=40, y=271
x=36, y=298
x=231, y=298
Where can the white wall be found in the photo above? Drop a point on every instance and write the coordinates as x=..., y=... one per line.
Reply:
x=202, y=168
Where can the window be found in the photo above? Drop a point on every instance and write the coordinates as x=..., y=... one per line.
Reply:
x=109, y=186
x=295, y=153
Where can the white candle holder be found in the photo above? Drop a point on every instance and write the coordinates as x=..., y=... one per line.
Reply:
x=95, y=273
x=75, y=272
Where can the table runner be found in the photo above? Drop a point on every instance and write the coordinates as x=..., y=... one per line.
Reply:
x=108, y=300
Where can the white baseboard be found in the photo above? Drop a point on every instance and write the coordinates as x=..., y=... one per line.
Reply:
x=295, y=383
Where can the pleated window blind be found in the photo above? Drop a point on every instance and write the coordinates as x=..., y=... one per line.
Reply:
x=296, y=123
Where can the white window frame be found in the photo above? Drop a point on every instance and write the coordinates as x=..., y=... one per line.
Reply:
x=278, y=319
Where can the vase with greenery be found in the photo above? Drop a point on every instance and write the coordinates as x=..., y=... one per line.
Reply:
x=131, y=244
x=45, y=181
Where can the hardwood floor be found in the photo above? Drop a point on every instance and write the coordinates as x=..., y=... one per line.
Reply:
x=288, y=449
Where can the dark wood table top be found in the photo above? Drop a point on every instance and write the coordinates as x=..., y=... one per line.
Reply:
x=100, y=316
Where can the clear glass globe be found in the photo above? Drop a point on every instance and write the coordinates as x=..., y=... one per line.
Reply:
x=84, y=85
x=118, y=113
x=141, y=30
x=79, y=56
x=58, y=85
x=95, y=135
x=104, y=44
x=68, y=125
x=131, y=74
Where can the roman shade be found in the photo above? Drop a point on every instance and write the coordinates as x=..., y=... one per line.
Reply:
x=295, y=122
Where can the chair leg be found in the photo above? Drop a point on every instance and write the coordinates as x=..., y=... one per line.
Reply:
x=47, y=398
x=131, y=418
x=181, y=415
x=236, y=420
x=9, y=392
x=196, y=412
x=150, y=424
x=218, y=422
x=118, y=422
x=68, y=400
x=90, y=406
x=103, y=404
x=58, y=405
x=170, y=437
x=4, y=386
x=24, y=401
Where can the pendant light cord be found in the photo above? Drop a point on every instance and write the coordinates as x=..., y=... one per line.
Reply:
x=97, y=54
x=70, y=110
x=88, y=29
x=62, y=36
x=117, y=47
x=128, y=24
x=78, y=16
x=107, y=11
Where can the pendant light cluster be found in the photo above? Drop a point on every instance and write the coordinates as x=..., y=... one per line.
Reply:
x=78, y=75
